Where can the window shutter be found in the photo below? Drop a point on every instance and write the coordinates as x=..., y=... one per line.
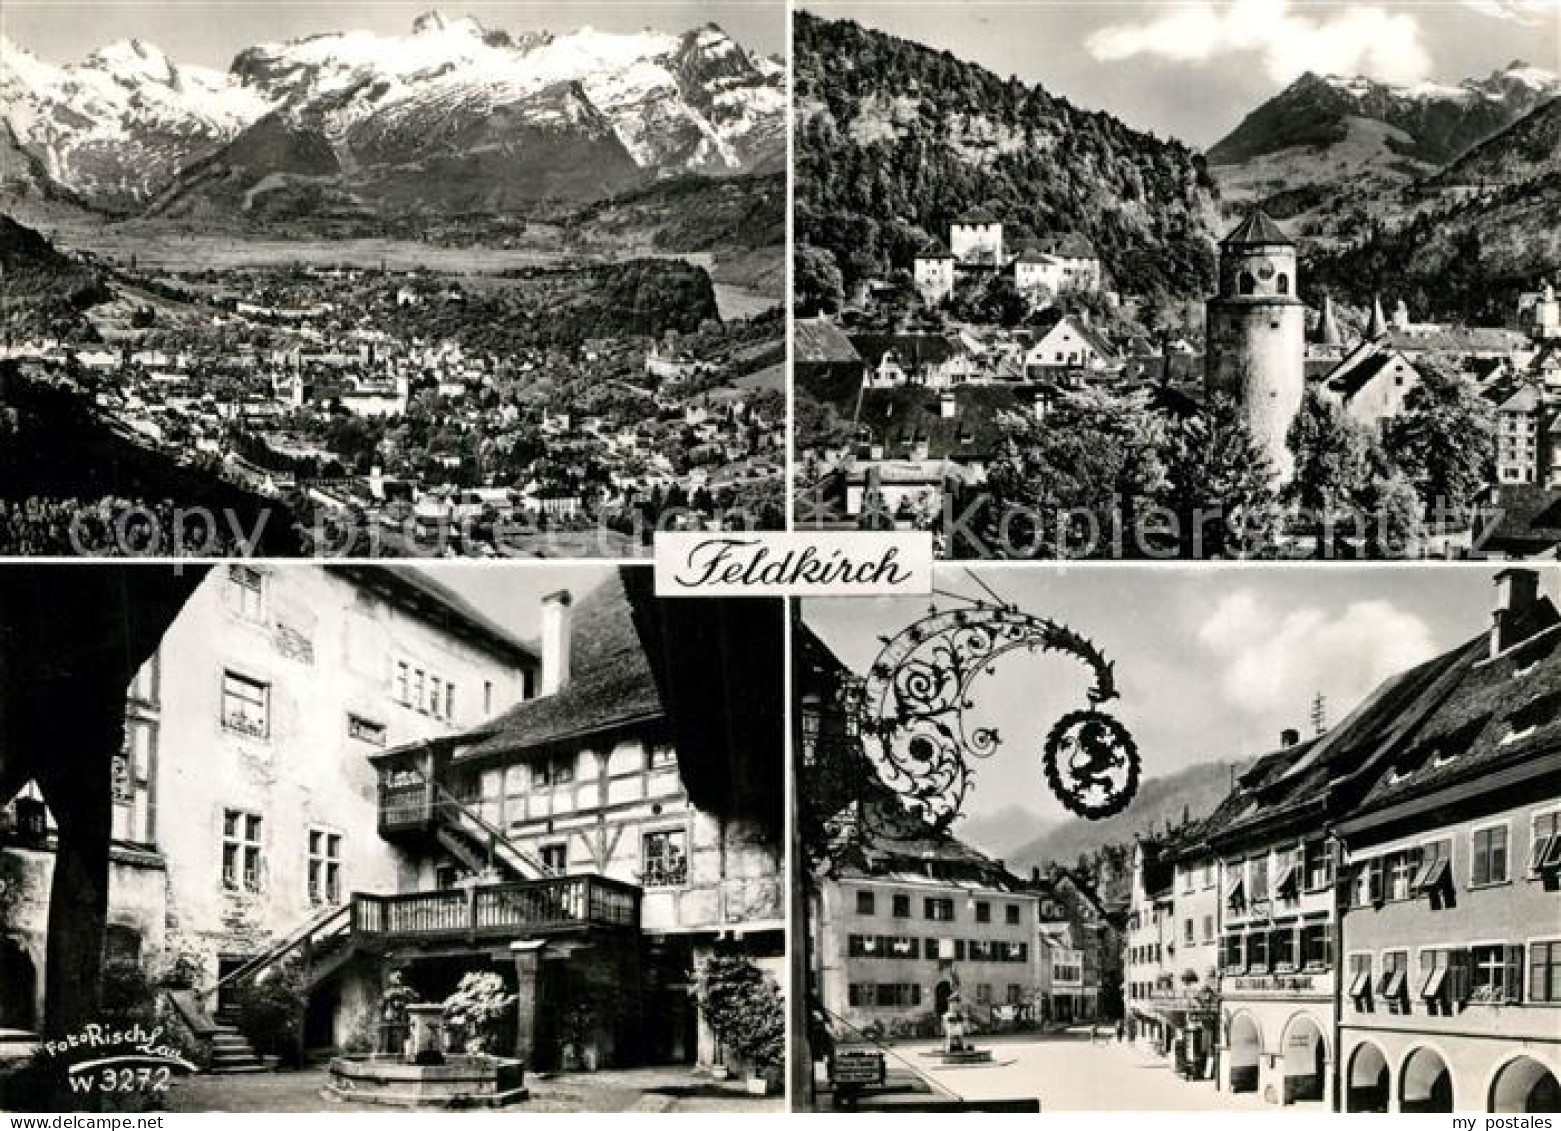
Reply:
x=1375, y=880
x=1514, y=979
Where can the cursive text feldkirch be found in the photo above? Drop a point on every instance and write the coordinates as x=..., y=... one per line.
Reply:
x=748, y=561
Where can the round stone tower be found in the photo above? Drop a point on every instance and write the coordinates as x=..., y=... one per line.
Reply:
x=1256, y=347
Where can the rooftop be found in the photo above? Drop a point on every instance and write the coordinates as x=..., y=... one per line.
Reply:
x=1256, y=230
x=610, y=684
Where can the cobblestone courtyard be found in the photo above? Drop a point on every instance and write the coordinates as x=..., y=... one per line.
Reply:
x=1070, y=1073
x=643, y=1089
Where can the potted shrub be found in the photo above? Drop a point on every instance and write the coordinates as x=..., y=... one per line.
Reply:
x=476, y=1009
x=744, y=1008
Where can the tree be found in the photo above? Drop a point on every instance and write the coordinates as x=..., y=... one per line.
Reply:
x=1444, y=441
x=1219, y=483
x=819, y=285
x=1072, y=484
x=1332, y=465
x=1392, y=514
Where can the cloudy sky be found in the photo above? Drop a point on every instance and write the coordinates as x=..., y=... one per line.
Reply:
x=1212, y=664
x=211, y=32
x=1194, y=69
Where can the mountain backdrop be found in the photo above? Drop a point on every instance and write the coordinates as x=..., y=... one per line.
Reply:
x=451, y=117
x=1162, y=801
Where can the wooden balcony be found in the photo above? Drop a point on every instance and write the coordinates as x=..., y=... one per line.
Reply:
x=498, y=911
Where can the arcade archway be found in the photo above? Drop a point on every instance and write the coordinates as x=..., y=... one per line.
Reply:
x=1367, y=1086
x=1305, y=1060
x=1246, y=1050
x=1425, y=1084
x=1525, y=1086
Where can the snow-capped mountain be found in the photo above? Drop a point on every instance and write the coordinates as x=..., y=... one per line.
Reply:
x=117, y=126
x=450, y=98
x=1322, y=130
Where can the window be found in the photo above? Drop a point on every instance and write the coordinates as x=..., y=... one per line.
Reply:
x=1392, y=985
x=1360, y=980
x=555, y=858
x=1011, y=914
x=1402, y=867
x=1496, y=973
x=902, y=907
x=1282, y=283
x=1488, y=849
x=1189, y=932
x=1434, y=869
x=324, y=867
x=246, y=705
x=1233, y=954
x=1317, y=946
x=1318, y=856
x=983, y=911
x=662, y=755
x=241, y=859
x=449, y=701
x=1208, y=929
x=1544, y=971
x=1257, y=952
x=1282, y=943
x=487, y=698
x=897, y=995
x=864, y=903
x=1370, y=882
x=983, y=993
x=938, y=910
x=246, y=592
x=1246, y=284
x=435, y=696
x=365, y=731
x=1545, y=844
x=403, y=683
x=552, y=771
x=1015, y=994
x=1257, y=878
x=665, y=855
x=419, y=701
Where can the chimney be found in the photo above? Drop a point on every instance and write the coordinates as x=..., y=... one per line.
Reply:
x=1035, y=873
x=1289, y=737
x=555, y=641
x=1517, y=592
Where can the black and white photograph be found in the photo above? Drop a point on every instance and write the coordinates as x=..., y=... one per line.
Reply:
x=1240, y=279
x=371, y=280
x=361, y=837
x=1178, y=839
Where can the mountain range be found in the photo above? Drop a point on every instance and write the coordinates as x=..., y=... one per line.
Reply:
x=453, y=116
x=1327, y=133
x=1022, y=842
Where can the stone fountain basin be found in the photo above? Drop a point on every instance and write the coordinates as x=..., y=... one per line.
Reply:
x=461, y=1081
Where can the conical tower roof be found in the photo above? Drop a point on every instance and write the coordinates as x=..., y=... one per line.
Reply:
x=1378, y=327
x=1327, y=331
x=1257, y=230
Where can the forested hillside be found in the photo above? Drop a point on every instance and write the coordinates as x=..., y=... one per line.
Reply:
x=895, y=139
